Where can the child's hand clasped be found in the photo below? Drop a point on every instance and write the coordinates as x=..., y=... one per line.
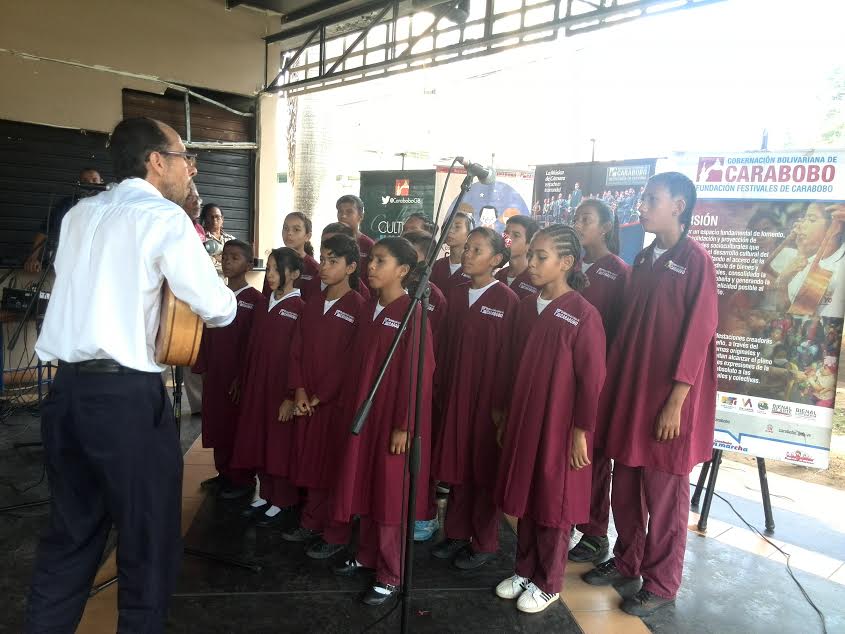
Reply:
x=286, y=410
x=578, y=454
x=398, y=442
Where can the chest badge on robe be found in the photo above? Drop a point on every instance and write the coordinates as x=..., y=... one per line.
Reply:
x=345, y=316
x=288, y=314
x=493, y=312
x=676, y=268
x=570, y=319
x=391, y=323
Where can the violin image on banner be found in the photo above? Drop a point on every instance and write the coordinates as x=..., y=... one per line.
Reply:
x=179, y=331
x=818, y=279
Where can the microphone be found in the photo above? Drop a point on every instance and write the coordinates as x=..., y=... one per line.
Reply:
x=485, y=175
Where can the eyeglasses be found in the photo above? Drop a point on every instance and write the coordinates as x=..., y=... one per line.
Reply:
x=190, y=159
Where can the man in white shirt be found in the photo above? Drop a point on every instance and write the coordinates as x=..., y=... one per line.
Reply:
x=111, y=447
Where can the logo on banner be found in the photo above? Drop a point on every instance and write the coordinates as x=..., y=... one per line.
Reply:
x=800, y=457
x=763, y=406
x=710, y=169
x=803, y=412
x=402, y=187
x=627, y=175
x=385, y=200
x=781, y=410
x=728, y=401
x=747, y=405
x=770, y=429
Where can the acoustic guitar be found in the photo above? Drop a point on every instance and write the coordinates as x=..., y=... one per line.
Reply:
x=179, y=332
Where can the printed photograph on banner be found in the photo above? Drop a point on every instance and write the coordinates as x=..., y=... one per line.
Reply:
x=560, y=188
x=774, y=225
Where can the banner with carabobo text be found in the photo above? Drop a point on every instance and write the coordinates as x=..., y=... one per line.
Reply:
x=391, y=196
x=773, y=224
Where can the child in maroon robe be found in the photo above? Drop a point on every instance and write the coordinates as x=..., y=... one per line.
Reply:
x=320, y=362
x=264, y=441
x=479, y=325
x=520, y=230
x=598, y=230
x=447, y=272
x=558, y=365
x=316, y=286
x=296, y=234
x=372, y=468
x=220, y=363
x=350, y=211
x=660, y=399
x=423, y=242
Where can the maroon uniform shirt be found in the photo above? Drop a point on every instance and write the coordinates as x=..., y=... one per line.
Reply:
x=522, y=285
x=221, y=358
x=370, y=478
x=465, y=449
x=321, y=362
x=559, y=358
x=262, y=443
x=666, y=334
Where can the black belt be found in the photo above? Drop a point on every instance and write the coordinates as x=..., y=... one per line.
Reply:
x=100, y=366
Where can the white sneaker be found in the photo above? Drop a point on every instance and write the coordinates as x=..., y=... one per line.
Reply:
x=512, y=587
x=534, y=600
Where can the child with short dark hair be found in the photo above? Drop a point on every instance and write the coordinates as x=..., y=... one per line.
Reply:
x=447, y=271
x=478, y=329
x=519, y=230
x=220, y=362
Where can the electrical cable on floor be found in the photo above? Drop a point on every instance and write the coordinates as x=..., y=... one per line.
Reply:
x=782, y=552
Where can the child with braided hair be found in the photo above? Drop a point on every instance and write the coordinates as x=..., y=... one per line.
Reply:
x=557, y=363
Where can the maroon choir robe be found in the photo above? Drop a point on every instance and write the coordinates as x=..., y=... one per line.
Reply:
x=320, y=363
x=608, y=277
x=442, y=276
x=559, y=358
x=370, y=478
x=465, y=449
x=263, y=443
x=522, y=285
x=437, y=309
x=365, y=245
x=220, y=360
x=666, y=334
x=305, y=283
x=314, y=288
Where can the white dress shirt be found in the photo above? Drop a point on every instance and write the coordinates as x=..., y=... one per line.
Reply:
x=115, y=251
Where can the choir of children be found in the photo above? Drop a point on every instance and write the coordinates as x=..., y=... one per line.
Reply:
x=516, y=414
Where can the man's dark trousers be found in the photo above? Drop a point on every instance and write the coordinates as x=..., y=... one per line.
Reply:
x=113, y=456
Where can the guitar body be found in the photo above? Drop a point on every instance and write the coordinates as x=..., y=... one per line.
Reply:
x=179, y=332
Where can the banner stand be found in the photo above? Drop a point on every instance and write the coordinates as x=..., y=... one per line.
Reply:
x=713, y=468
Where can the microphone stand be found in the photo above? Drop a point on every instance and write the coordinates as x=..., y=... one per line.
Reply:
x=414, y=452
x=178, y=377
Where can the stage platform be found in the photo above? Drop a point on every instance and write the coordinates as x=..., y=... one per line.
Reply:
x=733, y=582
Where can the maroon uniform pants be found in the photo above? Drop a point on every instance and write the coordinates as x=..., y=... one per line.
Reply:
x=315, y=517
x=651, y=512
x=472, y=514
x=278, y=491
x=380, y=548
x=541, y=553
x=599, y=497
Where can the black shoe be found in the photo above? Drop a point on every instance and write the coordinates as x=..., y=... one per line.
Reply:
x=379, y=596
x=215, y=483
x=255, y=512
x=466, y=559
x=442, y=489
x=300, y=534
x=323, y=550
x=590, y=548
x=268, y=522
x=645, y=603
x=448, y=548
x=606, y=574
x=237, y=492
x=348, y=568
